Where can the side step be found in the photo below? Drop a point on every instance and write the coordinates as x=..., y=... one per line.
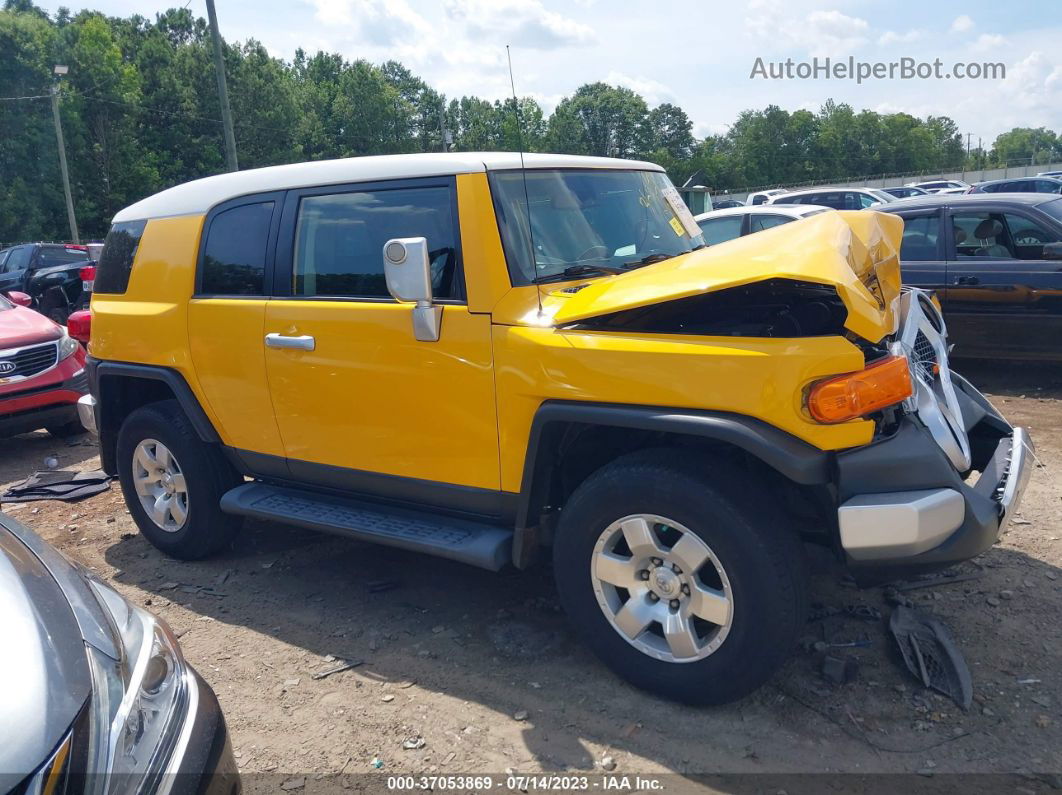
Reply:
x=483, y=545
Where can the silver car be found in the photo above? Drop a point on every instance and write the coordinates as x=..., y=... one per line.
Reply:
x=95, y=695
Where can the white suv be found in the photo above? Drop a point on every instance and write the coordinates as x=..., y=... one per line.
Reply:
x=836, y=198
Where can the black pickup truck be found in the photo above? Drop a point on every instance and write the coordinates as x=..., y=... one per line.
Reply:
x=50, y=273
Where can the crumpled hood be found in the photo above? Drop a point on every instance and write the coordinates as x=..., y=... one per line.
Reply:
x=855, y=251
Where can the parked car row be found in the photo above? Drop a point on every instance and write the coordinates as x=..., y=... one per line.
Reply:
x=1044, y=182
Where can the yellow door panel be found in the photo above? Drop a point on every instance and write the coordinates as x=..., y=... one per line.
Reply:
x=370, y=397
x=226, y=340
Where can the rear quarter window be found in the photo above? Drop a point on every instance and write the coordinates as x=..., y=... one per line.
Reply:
x=116, y=260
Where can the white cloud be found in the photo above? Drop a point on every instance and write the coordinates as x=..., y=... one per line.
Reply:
x=962, y=24
x=892, y=37
x=820, y=33
x=1034, y=84
x=520, y=22
x=987, y=42
x=652, y=91
x=833, y=33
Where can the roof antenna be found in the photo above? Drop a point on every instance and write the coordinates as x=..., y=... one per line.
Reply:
x=523, y=172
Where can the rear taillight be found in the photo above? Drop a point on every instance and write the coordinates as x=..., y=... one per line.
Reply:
x=79, y=325
x=846, y=397
x=88, y=273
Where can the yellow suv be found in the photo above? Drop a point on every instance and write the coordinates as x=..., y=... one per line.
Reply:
x=482, y=356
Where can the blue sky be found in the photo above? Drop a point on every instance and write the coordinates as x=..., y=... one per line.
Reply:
x=695, y=53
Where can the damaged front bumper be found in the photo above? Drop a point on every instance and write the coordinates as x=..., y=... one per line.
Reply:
x=913, y=501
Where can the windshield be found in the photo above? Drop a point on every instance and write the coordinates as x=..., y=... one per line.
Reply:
x=583, y=221
x=5, y=304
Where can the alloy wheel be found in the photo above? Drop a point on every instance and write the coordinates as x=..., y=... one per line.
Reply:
x=160, y=485
x=662, y=588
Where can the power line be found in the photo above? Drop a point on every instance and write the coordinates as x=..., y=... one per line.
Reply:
x=35, y=96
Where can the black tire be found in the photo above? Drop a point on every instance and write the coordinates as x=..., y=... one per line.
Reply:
x=66, y=430
x=207, y=475
x=762, y=557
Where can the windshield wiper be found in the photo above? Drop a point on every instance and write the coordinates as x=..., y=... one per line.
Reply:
x=648, y=259
x=574, y=271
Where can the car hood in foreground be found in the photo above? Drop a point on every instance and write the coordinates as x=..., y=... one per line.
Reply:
x=855, y=251
x=44, y=674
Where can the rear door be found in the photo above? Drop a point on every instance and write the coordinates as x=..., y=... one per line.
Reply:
x=225, y=320
x=922, y=253
x=1003, y=298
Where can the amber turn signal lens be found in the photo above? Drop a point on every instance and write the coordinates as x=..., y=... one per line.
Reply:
x=884, y=383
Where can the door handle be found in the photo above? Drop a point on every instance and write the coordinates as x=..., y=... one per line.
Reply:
x=303, y=343
x=967, y=280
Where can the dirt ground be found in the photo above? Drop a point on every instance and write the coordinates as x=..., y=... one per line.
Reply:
x=480, y=673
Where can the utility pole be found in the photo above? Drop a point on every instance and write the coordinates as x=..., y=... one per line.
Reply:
x=59, y=71
x=223, y=92
x=446, y=137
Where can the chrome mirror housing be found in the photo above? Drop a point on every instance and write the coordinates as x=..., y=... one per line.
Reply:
x=407, y=269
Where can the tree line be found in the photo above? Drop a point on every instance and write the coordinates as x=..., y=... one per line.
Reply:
x=140, y=113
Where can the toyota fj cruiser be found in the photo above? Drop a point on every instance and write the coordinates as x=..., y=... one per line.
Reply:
x=479, y=356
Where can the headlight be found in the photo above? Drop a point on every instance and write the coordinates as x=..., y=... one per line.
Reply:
x=67, y=346
x=138, y=702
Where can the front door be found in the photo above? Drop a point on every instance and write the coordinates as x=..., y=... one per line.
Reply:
x=13, y=271
x=922, y=258
x=1003, y=298
x=361, y=404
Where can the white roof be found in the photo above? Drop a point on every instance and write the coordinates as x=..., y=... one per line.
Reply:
x=198, y=196
x=792, y=210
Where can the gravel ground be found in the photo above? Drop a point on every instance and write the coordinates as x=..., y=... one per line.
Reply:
x=479, y=672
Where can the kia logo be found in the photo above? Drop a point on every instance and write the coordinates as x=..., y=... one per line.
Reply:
x=7, y=367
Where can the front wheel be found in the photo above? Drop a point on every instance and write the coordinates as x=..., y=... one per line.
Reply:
x=679, y=578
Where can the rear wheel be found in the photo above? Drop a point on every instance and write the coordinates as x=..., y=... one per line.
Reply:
x=679, y=578
x=173, y=482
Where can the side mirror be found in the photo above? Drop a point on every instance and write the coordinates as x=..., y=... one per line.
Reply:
x=407, y=269
x=19, y=299
x=1052, y=251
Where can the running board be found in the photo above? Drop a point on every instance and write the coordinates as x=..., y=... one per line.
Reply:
x=483, y=545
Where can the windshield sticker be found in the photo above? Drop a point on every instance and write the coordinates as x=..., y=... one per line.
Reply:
x=681, y=211
x=677, y=226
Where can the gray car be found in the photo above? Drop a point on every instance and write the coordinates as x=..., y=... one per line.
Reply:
x=95, y=695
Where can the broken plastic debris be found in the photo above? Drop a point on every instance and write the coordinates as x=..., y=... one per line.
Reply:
x=931, y=654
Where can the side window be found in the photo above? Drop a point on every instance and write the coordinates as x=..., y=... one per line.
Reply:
x=980, y=235
x=866, y=200
x=235, y=252
x=761, y=222
x=116, y=259
x=759, y=198
x=720, y=230
x=1028, y=235
x=920, y=236
x=1047, y=186
x=339, y=240
x=19, y=258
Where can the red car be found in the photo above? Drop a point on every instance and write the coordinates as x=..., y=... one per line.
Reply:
x=42, y=372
